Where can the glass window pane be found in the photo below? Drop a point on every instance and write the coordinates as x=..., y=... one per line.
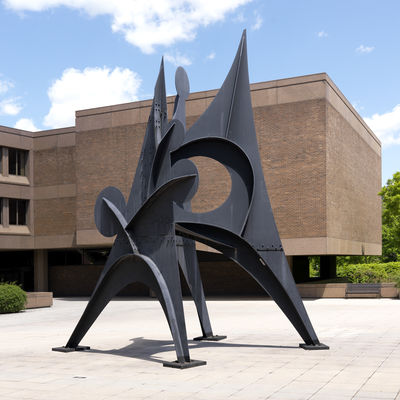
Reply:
x=21, y=162
x=21, y=212
x=12, y=209
x=12, y=161
x=17, y=161
x=1, y=211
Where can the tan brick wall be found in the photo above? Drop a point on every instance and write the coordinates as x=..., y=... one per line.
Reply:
x=321, y=165
x=214, y=181
x=353, y=183
x=214, y=185
x=105, y=157
x=291, y=140
x=54, y=166
x=301, y=172
x=54, y=216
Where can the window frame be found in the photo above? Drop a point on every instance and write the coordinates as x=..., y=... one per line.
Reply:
x=17, y=161
x=19, y=219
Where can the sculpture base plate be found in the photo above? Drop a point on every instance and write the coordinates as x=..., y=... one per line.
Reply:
x=212, y=338
x=184, y=365
x=64, y=349
x=319, y=346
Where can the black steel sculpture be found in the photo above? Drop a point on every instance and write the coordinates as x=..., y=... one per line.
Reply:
x=147, y=248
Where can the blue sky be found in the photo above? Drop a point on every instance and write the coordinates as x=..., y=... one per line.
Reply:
x=61, y=55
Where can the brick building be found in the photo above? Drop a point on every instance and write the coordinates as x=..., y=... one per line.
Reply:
x=322, y=166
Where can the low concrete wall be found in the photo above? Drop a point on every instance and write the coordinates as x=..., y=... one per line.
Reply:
x=389, y=290
x=341, y=290
x=325, y=290
x=39, y=299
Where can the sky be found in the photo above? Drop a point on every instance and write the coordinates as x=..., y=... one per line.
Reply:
x=59, y=56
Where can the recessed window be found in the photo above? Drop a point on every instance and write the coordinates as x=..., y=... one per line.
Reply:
x=17, y=160
x=1, y=211
x=17, y=209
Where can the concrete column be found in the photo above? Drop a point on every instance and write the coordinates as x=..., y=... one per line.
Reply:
x=290, y=262
x=301, y=269
x=6, y=214
x=327, y=267
x=41, y=271
x=4, y=159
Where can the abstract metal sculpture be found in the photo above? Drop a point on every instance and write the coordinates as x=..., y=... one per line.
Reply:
x=146, y=248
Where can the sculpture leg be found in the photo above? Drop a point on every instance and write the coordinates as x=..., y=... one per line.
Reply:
x=187, y=258
x=268, y=267
x=273, y=274
x=128, y=269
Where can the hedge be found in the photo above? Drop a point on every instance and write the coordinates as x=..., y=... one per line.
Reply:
x=370, y=273
x=12, y=298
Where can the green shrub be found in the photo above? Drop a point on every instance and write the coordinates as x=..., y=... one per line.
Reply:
x=12, y=298
x=370, y=273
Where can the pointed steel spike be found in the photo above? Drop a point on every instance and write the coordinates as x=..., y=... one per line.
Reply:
x=215, y=121
x=155, y=130
x=230, y=115
x=159, y=108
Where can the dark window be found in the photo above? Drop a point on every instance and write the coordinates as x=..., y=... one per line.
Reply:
x=1, y=211
x=12, y=161
x=17, y=211
x=1, y=160
x=17, y=162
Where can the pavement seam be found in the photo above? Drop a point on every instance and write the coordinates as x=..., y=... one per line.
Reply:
x=287, y=384
x=333, y=377
x=373, y=373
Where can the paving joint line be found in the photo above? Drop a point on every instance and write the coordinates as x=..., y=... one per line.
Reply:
x=373, y=373
x=287, y=384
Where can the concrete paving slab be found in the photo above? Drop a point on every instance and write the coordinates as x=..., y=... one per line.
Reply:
x=260, y=359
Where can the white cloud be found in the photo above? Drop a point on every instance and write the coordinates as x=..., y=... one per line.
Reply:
x=145, y=23
x=26, y=124
x=10, y=107
x=92, y=87
x=211, y=56
x=4, y=86
x=386, y=126
x=240, y=18
x=177, y=59
x=322, y=34
x=258, y=23
x=364, y=49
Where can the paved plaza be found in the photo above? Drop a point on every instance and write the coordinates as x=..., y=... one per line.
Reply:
x=260, y=359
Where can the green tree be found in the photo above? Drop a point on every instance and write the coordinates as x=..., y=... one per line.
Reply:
x=391, y=219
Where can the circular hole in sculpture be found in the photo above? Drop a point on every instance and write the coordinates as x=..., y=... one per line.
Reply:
x=214, y=185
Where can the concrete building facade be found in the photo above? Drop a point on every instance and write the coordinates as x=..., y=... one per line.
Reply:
x=322, y=166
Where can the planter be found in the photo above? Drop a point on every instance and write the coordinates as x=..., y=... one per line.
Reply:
x=39, y=299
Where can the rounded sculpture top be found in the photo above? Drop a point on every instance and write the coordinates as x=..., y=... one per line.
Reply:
x=182, y=83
